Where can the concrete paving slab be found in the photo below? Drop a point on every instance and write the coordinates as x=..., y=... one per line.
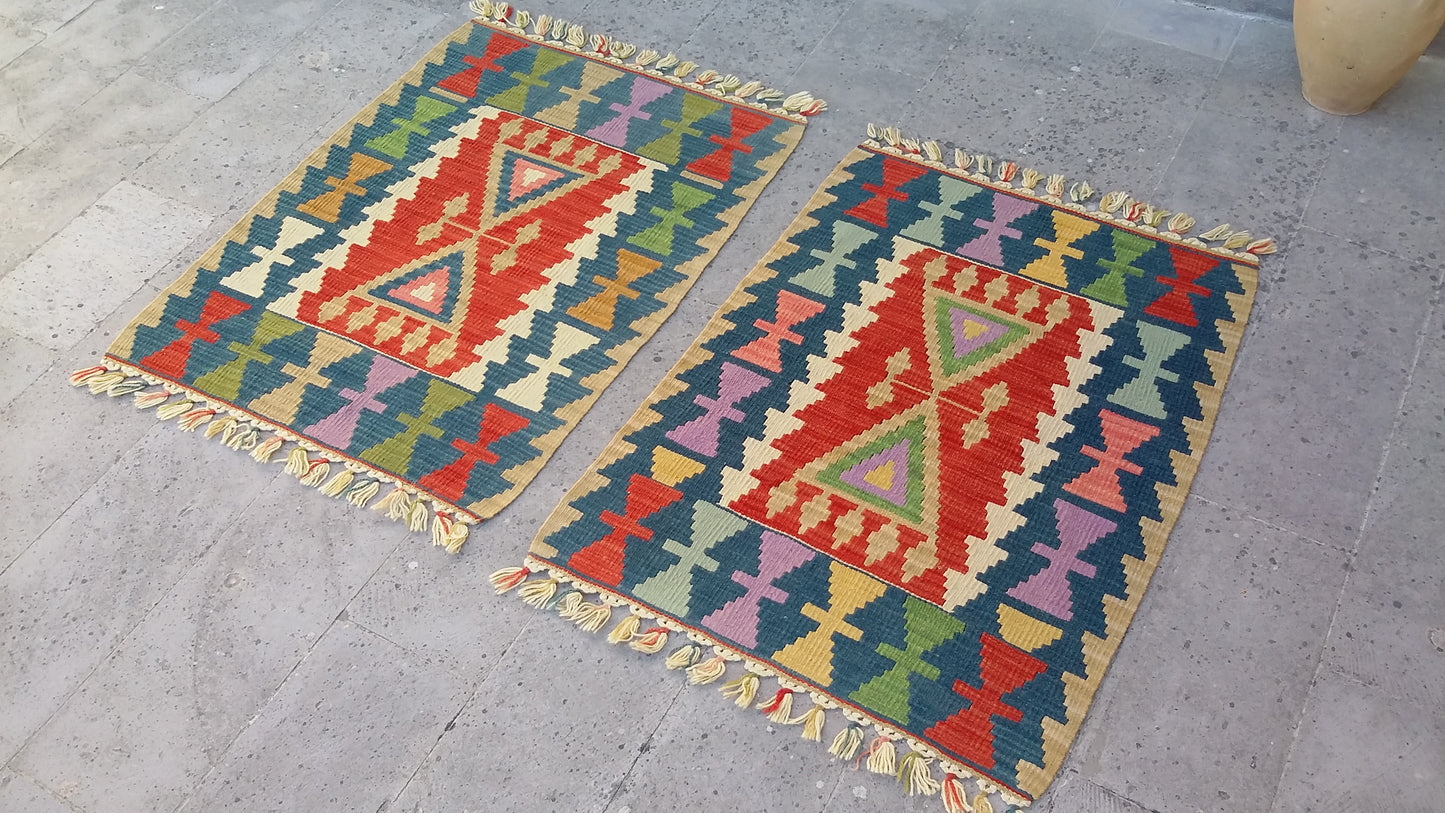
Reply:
x=60, y=175
x=85, y=583
x=1390, y=630
x=1360, y=748
x=679, y=761
x=41, y=88
x=1260, y=81
x=762, y=40
x=1071, y=793
x=662, y=25
x=22, y=794
x=1303, y=423
x=47, y=15
x=344, y=732
x=1380, y=186
x=594, y=705
x=98, y=261
x=907, y=37
x=1185, y=26
x=1222, y=650
x=157, y=715
x=243, y=146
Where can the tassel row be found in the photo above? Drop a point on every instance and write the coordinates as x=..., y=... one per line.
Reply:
x=1119, y=206
x=670, y=68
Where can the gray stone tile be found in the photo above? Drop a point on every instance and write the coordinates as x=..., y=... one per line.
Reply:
x=1196, y=29
x=1303, y=422
x=597, y=705
x=153, y=719
x=216, y=52
x=1120, y=120
x=46, y=15
x=427, y=601
x=60, y=175
x=1279, y=9
x=244, y=144
x=21, y=362
x=1381, y=186
x=1071, y=793
x=1361, y=749
x=1260, y=82
x=344, y=732
x=858, y=791
x=15, y=39
x=1258, y=179
x=763, y=40
x=74, y=593
x=19, y=793
x=1396, y=595
x=661, y=25
x=1198, y=707
x=679, y=761
x=98, y=261
x=907, y=37
x=50, y=81
x=76, y=438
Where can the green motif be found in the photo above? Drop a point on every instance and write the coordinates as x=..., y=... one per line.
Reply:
x=925, y=629
x=396, y=142
x=1128, y=247
x=950, y=359
x=224, y=382
x=902, y=444
x=671, y=590
x=1142, y=393
x=394, y=453
x=668, y=149
x=951, y=193
x=514, y=98
x=657, y=238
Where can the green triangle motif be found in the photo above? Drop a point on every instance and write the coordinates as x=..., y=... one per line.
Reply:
x=898, y=455
x=959, y=351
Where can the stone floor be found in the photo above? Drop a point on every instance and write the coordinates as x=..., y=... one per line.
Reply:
x=182, y=629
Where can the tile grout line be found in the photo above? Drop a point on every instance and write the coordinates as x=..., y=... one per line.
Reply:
x=1353, y=556
x=48, y=790
x=642, y=749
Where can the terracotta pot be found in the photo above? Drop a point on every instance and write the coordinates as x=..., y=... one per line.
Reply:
x=1352, y=51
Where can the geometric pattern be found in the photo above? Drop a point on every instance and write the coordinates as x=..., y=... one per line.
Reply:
x=922, y=463
x=434, y=299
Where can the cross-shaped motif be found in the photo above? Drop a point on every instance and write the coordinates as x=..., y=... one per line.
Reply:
x=895, y=174
x=811, y=655
x=1128, y=248
x=225, y=381
x=450, y=481
x=602, y=560
x=251, y=279
x=396, y=142
x=171, y=360
x=465, y=82
x=718, y=164
x=1049, y=589
x=394, y=454
x=822, y=279
x=600, y=310
x=327, y=205
x=514, y=98
x=766, y=351
x=1142, y=393
x=283, y=403
x=969, y=733
x=1100, y=485
x=450, y=215
x=925, y=629
x=1176, y=306
x=670, y=590
x=988, y=247
x=738, y=619
x=643, y=93
x=657, y=238
x=703, y=433
x=564, y=114
x=337, y=429
x=530, y=391
x=1068, y=230
x=668, y=149
x=952, y=192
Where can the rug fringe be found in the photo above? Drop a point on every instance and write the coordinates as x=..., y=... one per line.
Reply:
x=670, y=68
x=1119, y=207
x=310, y=465
x=920, y=770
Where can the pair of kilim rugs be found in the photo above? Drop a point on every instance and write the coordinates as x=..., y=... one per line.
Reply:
x=916, y=472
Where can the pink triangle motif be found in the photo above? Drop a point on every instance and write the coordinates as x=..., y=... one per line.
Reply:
x=428, y=292
x=529, y=177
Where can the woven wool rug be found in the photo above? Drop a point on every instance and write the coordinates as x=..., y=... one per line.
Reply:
x=920, y=466
x=431, y=302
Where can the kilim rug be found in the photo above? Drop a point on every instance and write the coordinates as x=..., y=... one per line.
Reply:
x=920, y=466
x=419, y=314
